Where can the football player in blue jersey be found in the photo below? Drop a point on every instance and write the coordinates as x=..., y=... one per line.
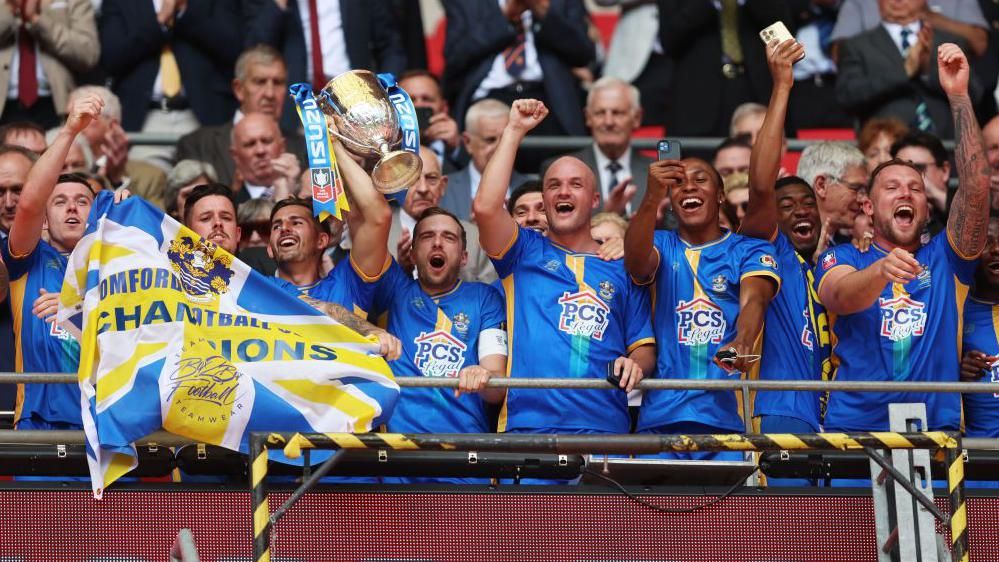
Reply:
x=980, y=360
x=60, y=204
x=897, y=308
x=785, y=213
x=569, y=312
x=712, y=288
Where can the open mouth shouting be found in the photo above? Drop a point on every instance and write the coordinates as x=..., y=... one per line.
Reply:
x=288, y=241
x=564, y=209
x=691, y=204
x=437, y=262
x=803, y=229
x=904, y=215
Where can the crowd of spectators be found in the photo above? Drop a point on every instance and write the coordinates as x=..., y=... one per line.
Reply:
x=541, y=261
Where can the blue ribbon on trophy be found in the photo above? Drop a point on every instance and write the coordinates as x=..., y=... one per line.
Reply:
x=407, y=122
x=328, y=195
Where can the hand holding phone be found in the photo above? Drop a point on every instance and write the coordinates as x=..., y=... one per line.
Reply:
x=778, y=31
x=669, y=150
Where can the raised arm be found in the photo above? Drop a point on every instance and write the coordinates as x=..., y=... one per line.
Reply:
x=30, y=218
x=640, y=258
x=764, y=164
x=969, y=212
x=845, y=290
x=496, y=227
x=373, y=218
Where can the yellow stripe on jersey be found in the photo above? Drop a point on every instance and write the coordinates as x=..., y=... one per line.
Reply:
x=694, y=259
x=443, y=323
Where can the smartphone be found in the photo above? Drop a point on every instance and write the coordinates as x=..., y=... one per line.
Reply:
x=423, y=115
x=612, y=378
x=669, y=150
x=778, y=31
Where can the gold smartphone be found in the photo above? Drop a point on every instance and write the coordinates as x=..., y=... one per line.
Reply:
x=777, y=31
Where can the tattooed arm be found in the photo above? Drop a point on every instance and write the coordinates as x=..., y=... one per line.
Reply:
x=390, y=346
x=969, y=216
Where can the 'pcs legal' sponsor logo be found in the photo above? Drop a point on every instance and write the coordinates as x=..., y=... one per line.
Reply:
x=901, y=318
x=699, y=321
x=583, y=314
x=439, y=354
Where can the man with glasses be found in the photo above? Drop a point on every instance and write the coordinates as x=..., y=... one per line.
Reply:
x=837, y=172
x=929, y=156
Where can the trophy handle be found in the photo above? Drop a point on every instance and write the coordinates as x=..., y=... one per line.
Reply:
x=349, y=141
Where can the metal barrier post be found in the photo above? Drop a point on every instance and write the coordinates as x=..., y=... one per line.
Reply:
x=258, y=487
x=958, y=507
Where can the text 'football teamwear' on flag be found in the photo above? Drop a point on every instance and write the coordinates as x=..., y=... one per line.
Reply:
x=176, y=333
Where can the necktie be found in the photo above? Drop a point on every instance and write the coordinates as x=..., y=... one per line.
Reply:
x=169, y=72
x=514, y=57
x=27, y=80
x=906, y=42
x=612, y=169
x=731, y=47
x=318, y=75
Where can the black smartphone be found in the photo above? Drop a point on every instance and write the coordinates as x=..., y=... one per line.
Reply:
x=612, y=378
x=669, y=149
x=727, y=356
x=423, y=115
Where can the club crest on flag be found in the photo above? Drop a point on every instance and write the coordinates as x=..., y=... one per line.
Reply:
x=203, y=269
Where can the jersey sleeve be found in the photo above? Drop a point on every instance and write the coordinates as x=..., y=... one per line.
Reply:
x=759, y=259
x=638, y=317
x=383, y=290
x=524, y=243
x=493, y=310
x=843, y=255
x=963, y=268
x=19, y=267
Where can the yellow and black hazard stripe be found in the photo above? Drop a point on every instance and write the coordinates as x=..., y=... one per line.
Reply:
x=645, y=443
x=958, y=507
x=261, y=513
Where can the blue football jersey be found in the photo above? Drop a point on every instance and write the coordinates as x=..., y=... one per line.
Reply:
x=440, y=336
x=344, y=286
x=41, y=347
x=912, y=333
x=981, y=333
x=695, y=307
x=795, y=339
x=568, y=316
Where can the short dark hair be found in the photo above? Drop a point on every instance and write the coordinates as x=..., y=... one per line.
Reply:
x=421, y=73
x=206, y=190
x=76, y=177
x=921, y=139
x=738, y=141
x=435, y=211
x=528, y=186
x=14, y=149
x=892, y=162
x=15, y=126
x=292, y=201
x=791, y=180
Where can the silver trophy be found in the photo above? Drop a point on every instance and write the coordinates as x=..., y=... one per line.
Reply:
x=368, y=125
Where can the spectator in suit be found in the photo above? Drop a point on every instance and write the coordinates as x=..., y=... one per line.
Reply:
x=613, y=112
x=813, y=102
x=260, y=86
x=732, y=156
x=484, y=124
x=519, y=49
x=888, y=71
x=441, y=134
x=959, y=17
x=26, y=134
x=43, y=44
x=426, y=193
x=171, y=62
x=720, y=60
x=837, y=172
x=636, y=56
x=263, y=168
x=109, y=147
x=350, y=35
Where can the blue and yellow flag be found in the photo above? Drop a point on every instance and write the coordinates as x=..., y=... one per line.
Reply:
x=176, y=333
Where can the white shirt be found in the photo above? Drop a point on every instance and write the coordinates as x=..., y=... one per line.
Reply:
x=474, y=177
x=331, y=38
x=15, y=69
x=498, y=77
x=895, y=31
x=604, y=173
x=258, y=191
